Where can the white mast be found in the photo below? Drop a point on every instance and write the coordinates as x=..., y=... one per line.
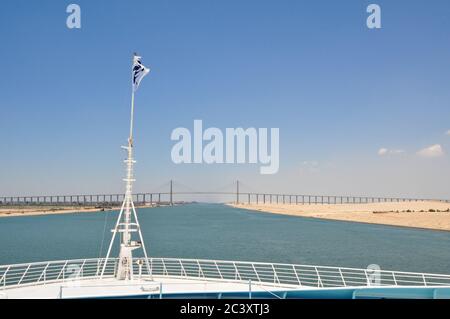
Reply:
x=127, y=222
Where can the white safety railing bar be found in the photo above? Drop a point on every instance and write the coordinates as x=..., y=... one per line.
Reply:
x=323, y=268
x=349, y=270
x=283, y=277
x=37, y=278
x=275, y=274
x=53, y=262
x=432, y=284
x=23, y=274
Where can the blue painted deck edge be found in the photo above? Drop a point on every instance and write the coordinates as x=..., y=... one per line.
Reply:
x=346, y=293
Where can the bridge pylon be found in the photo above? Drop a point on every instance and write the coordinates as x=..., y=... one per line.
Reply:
x=237, y=191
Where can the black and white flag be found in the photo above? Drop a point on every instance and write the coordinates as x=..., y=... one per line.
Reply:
x=139, y=71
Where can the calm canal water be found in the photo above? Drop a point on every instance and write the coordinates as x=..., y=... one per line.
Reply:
x=214, y=231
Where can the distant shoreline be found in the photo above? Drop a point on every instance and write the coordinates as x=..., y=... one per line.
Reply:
x=54, y=210
x=422, y=215
x=36, y=211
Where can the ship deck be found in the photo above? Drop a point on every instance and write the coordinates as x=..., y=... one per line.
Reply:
x=159, y=287
x=195, y=278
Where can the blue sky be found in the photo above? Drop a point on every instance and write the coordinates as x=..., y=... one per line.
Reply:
x=338, y=92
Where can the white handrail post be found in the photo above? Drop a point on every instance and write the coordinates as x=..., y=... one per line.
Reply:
x=200, y=271
x=275, y=277
x=62, y=271
x=237, y=272
x=256, y=272
x=424, y=281
x=296, y=275
x=24, y=274
x=43, y=274
x=250, y=289
x=4, y=277
x=367, y=278
x=160, y=290
x=151, y=267
x=220, y=274
x=81, y=270
x=198, y=265
x=319, y=281
x=164, y=267
x=182, y=268
x=99, y=261
x=395, y=280
x=342, y=276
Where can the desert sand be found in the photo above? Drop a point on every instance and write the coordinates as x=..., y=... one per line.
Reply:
x=426, y=214
x=51, y=210
x=33, y=211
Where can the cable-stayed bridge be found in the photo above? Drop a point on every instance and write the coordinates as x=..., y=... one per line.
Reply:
x=173, y=192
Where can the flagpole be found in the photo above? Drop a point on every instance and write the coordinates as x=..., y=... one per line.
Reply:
x=132, y=114
x=130, y=162
x=126, y=227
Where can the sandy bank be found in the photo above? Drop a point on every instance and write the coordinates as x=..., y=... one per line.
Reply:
x=430, y=215
x=32, y=211
x=52, y=210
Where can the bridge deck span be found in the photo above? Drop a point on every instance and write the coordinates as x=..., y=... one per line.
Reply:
x=169, y=198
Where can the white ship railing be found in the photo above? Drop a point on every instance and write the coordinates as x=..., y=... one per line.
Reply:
x=282, y=275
